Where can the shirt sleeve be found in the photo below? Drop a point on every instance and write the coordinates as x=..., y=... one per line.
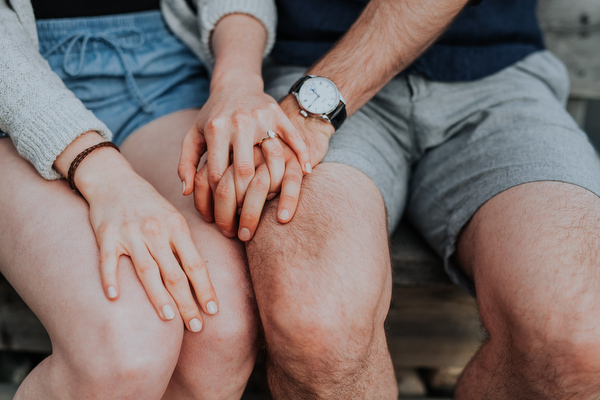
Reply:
x=210, y=13
x=39, y=113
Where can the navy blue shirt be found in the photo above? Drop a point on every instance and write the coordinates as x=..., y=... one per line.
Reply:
x=481, y=41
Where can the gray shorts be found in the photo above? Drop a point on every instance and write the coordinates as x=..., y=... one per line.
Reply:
x=439, y=151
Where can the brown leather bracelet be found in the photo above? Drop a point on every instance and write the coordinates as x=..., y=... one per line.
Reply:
x=81, y=156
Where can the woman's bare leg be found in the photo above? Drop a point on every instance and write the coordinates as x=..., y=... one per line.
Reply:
x=101, y=349
x=113, y=349
x=215, y=363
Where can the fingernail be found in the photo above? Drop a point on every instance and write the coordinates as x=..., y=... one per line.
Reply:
x=168, y=312
x=271, y=196
x=212, y=307
x=183, y=187
x=112, y=292
x=195, y=325
x=284, y=214
x=244, y=234
x=308, y=168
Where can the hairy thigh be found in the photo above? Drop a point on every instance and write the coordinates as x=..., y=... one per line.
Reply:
x=333, y=256
x=533, y=252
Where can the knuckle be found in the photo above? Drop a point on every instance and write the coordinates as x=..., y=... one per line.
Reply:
x=249, y=219
x=178, y=221
x=240, y=120
x=224, y=224
x=105, y=257
x=214, y=178
x=276, y=151
x=293, y=175
x=176, y=278
x=201, y=180
x=244, y=169
x=188, y=309
x=152, y=226
x=262, y=182
x=146, y=266
x=224, y=192
x=215, y=124
x=196, y=266
x=274, y=106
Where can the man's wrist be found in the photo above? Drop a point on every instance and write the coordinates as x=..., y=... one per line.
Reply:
x=290, y=106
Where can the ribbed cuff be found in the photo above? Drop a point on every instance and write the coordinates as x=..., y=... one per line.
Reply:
x=211, y=13
x=48, y=132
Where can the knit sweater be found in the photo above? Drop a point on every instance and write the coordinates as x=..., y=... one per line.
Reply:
x=42, y=116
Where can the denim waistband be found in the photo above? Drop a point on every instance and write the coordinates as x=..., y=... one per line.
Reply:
x=150, y=23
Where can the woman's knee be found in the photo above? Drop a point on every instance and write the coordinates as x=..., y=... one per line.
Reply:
x=122, y=357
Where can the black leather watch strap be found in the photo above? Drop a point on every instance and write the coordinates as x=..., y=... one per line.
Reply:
x=338, y=116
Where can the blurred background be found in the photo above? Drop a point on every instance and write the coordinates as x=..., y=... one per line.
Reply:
x=592, y=122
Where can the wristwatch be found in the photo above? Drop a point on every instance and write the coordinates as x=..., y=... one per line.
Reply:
x=319, y=97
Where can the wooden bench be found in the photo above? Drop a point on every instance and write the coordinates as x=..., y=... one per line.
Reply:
x=431, y=323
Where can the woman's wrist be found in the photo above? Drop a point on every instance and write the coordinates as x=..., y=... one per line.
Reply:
x=101, y=168
x=226, y=78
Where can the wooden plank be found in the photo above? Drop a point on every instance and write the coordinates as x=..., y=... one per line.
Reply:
x=572, y=32
x=433, y=326
x=413, y=261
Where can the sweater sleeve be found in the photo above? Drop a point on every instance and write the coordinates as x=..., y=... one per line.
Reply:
x=211, y=12
x=39, y=113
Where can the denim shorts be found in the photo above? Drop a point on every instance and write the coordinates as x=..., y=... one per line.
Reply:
x=128, y=69
x=438, y=151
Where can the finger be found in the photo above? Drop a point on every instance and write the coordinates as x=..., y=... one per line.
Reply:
x=225, y=204
x=290, y=191
x=109, y=260
x=150, y=277
x=178, y=285
x=203, y=199
x=243, y=163
x=218, y=154
x=192, y=148
x=197, y=273
x=254, y=203
x=293, y=138
x=273, y=154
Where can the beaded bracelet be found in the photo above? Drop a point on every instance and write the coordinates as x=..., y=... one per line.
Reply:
x=81, y=156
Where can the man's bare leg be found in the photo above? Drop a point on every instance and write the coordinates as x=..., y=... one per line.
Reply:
x=534, y=254
x=323, y=288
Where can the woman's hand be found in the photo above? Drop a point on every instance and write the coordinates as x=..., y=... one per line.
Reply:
x=221, y=205
x=237, y=117
x=131, y=218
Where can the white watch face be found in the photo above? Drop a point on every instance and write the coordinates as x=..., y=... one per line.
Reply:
x=319, y=95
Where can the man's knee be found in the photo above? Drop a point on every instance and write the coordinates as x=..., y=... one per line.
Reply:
x=324, y=346
x=556, y=353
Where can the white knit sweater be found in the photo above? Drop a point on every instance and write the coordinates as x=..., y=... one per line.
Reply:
x=42, y=116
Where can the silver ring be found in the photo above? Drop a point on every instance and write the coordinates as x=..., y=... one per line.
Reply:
x=270, y=135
